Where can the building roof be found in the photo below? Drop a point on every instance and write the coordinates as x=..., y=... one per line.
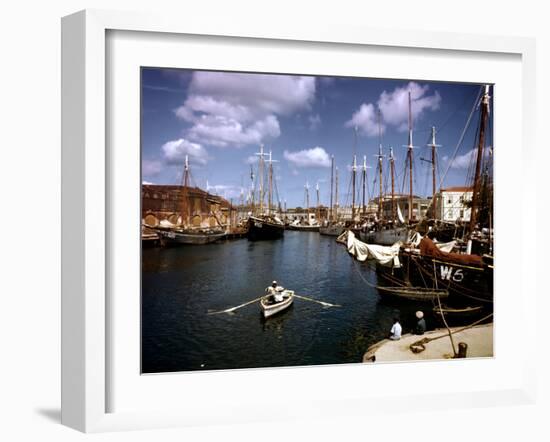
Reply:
x=194, y=192
x=458, y=189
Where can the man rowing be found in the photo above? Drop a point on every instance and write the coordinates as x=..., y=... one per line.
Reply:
x=275, y=291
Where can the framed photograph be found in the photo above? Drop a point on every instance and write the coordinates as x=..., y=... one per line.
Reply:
x=294, y=220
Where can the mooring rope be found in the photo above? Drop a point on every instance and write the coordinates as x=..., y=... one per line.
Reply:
x=421, y=342
x=399, y=289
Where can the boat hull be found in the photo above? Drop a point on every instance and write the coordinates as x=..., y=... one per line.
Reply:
x=260, y=229
x=331, y=230
x=385, y=237
x=175, y=238
x=304, y=228
x=269, y=309
x=465, y=283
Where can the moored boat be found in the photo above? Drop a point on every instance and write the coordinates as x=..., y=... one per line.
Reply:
x=263, y=224
x=264, y=228
x=174, y=236
x=453, y=312
x=385, y=237
x=332, y=229
x=269, y=307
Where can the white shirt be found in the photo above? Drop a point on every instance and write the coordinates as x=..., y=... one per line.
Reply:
x=396, y=331
x=276, y=292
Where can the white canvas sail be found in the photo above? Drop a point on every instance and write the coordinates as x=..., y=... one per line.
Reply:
x=400, y=215
x=386, y=256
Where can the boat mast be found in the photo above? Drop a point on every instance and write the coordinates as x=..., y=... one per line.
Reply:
x=261, y=154
x=336, y=204
x=270, y=185
x=392, y=169
x=252, y=193
x=354, y=173
x=184, y=192
x=364, y=183
x=307, y=200
x=380, y=156
x=433, y=146
x=318, y=205
x=410, y=159
x=331, y=214
x=479, y=160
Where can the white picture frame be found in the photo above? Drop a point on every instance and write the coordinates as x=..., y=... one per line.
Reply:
x=86, y=315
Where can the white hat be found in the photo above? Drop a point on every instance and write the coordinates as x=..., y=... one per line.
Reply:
x=274, y=282
x=419, y=314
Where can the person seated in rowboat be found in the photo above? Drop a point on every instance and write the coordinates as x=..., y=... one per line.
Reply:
x=420, y=324
x=276, y=292
x=395, y=332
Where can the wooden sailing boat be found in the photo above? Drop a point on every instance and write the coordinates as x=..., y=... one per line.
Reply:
x=465, y=275
x=183, y=233
x=388, y=231
x=310, y=224
x=263, y=224
x=333, y=226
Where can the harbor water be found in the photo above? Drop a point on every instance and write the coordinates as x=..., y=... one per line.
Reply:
x=181, y=285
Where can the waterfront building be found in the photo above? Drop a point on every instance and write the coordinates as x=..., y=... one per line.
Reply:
x=453, y=203
x=163, y=202
x=420, y=206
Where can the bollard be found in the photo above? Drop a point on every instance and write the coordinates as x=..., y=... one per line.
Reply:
x=462, y=349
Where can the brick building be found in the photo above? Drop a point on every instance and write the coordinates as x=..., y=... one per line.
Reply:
x=164, y=202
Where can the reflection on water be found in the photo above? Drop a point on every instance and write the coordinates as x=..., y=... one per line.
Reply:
x=180, y=285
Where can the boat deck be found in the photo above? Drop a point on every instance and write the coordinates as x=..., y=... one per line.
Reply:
x=478, y=338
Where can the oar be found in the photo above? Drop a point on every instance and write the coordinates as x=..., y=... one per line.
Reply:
x=232, y=309
x=325, y=304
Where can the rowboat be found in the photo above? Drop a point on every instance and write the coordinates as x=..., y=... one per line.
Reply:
x=452, y=312
x=270, y=308
x=420, y=294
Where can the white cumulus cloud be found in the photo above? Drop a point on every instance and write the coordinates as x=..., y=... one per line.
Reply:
x=314, y=157
x=235, y=110
x=394, y=108
x=366, y=120
x=464, y=161
x=226, y=191
x=174, y=152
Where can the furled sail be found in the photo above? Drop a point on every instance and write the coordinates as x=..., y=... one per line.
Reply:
x=384, y=255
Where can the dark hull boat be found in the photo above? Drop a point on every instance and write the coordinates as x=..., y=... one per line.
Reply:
x=260, y=228
x=176, y=237
x=466, y=278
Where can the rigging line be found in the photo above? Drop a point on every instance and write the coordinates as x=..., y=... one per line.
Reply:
x=462, y=135
x=471, y=165
x=356, y=266
x=440, y=128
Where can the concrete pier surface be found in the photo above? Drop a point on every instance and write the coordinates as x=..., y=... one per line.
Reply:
x=478, y=338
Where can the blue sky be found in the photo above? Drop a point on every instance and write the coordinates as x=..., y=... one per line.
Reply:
x=220, y=119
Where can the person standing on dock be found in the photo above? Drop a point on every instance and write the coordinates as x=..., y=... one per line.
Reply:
x=420, y=324
x=395, y=332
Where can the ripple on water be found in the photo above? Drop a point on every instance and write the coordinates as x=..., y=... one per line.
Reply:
x=181, y=285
